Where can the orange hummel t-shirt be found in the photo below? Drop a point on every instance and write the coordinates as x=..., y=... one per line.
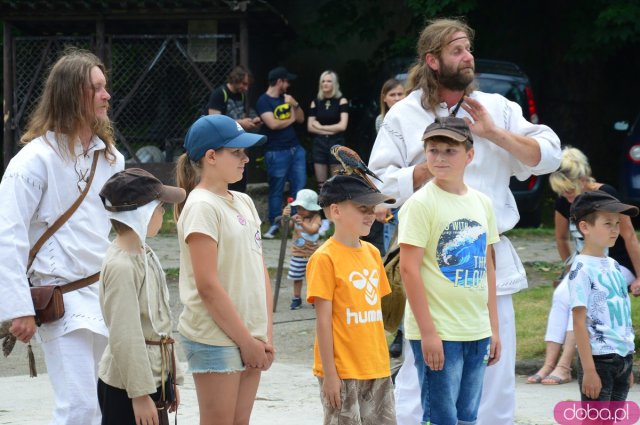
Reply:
x=353, y=279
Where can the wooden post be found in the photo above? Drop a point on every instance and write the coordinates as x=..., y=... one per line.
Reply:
x=100, y=38
x=244, y=43
x=7, y=107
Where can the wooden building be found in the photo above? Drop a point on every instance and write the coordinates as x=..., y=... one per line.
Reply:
x=164, y=59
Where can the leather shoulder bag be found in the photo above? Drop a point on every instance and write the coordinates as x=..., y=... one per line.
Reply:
x=47, y=300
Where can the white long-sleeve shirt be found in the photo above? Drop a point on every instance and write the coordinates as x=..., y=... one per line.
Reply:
x=399, y=148
x=39, y=185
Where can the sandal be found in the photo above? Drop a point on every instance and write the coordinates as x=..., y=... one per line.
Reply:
x=538, y=376
x=556, y=380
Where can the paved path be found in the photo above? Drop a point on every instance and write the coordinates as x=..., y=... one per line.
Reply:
x=288, y=393
x=529, y=249
x=167, y=249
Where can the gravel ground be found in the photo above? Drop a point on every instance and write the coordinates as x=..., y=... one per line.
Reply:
x=289, y=388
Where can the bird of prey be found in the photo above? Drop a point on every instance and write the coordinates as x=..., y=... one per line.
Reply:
x=353, y=164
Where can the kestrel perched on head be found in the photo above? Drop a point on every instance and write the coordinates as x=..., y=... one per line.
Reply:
x=353, y=164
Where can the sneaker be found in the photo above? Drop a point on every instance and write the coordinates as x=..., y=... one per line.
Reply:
x=296, y=303
x=271, y=233
x=395, y=349
x=324, y=227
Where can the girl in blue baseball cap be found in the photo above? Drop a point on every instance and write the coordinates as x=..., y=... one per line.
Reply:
x=226, y=325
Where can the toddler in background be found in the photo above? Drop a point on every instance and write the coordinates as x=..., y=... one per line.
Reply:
x=306, y=225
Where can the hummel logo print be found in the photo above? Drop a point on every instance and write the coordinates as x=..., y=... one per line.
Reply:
x=368, y=281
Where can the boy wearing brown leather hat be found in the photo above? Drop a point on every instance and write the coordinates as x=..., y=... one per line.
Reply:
x=446, y=230
x=599, y=300
x=138, y=372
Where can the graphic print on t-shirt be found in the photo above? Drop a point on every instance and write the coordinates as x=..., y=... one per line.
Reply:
x=282, y=111
x=598, y=284
x=461, y=253
x=367, y=282
x=235, y=108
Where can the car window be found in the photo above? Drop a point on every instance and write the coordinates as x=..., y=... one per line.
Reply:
x=506, y=88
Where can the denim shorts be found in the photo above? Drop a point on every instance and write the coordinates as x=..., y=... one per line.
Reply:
x=204, y=358
x=321, y=151
x=452, y=395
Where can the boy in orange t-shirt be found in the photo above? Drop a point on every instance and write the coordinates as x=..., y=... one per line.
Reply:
x=346, y=280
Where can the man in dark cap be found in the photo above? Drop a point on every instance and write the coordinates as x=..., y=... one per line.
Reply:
x=284, y=157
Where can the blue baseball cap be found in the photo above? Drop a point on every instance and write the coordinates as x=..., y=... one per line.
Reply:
x=217, y=131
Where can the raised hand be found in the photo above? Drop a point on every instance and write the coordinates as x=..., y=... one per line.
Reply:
x=482, y=123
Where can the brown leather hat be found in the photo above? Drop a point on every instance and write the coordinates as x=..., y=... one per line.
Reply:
x=134, y=187
x=599, y=200
x=450, y=127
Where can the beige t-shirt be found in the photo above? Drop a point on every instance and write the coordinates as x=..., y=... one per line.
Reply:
x=235, y=226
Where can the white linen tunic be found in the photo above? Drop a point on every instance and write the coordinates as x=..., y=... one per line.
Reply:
x=399, y=148
x=39, y=185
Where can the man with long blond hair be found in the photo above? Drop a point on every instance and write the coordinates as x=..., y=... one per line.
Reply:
x=505, y=144
x=69, y=125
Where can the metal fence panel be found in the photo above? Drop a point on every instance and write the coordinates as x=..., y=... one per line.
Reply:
x=34, y=56
x=159, y=84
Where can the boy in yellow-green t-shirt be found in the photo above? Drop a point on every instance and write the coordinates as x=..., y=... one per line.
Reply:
x=447, y=267
x=345, y=281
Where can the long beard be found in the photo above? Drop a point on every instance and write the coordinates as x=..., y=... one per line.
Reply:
x=455, y=80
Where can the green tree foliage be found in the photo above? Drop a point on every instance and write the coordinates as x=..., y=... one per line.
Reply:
x=584, y=29
x=431, y=9
x=616, y=23
x=395, y=24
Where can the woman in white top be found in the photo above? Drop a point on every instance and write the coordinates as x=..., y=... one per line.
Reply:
x=226, y=324
x=41, y=182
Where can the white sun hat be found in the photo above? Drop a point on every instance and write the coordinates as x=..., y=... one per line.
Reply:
x=307, y=199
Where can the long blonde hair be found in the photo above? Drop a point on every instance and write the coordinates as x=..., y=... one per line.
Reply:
x=336, y=86
x=433, y=39
x=574, y=170
x=64, y=106
x=187, y=177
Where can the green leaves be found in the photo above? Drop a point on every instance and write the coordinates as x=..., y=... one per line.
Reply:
x=434, y=9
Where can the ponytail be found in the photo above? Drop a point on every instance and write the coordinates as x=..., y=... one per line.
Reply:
x=413, y=77
x=574, y=166
x=187, y=177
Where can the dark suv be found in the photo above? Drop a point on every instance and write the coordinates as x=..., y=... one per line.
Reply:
x=630, y=169
x=509, y=80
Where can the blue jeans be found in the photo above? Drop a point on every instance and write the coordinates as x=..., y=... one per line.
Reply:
x=390, y=229
x=451, y=396
x=282, y=165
